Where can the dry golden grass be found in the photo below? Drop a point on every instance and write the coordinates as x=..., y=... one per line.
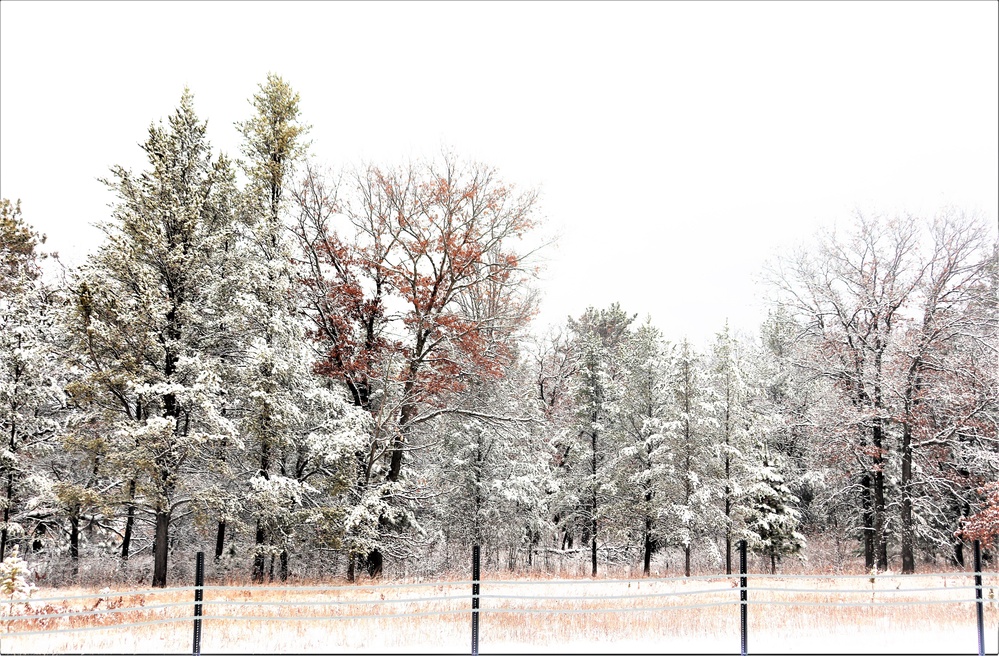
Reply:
x=688, y=630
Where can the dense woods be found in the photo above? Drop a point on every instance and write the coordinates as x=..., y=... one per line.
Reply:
x=315, y=374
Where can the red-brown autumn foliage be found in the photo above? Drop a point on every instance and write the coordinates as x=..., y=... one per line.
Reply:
x=984, y=525
x=415, y=279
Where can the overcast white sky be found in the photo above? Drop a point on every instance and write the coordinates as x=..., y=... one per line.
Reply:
x=676, y=145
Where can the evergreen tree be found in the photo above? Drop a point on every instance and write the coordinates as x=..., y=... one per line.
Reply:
x=297, y=423
x=647, y=411
x=600, y=338
x=692, y=513
x=147, y=341
x=728, y=377
x=31, y=375
x=772, y=519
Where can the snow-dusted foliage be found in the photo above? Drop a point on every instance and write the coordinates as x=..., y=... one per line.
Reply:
x=31, y=378
x=771, y=515
x=15, y=577
x=648, y=411
x=150, y=338
x=984, y=525
x=591, y=466
x=299, y=430
x=318, y=375
x=693, y=515
x=895, y=323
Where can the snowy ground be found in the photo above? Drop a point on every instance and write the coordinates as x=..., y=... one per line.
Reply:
x=927, y=629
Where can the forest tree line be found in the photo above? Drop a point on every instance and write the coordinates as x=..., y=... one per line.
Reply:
x=308, y=373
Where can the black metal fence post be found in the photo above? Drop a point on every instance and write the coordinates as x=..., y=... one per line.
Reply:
x=978, y=598
x=743, y=597
x=475, y=600
x=199, y=582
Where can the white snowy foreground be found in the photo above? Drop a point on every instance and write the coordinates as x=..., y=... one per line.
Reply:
x=924, y=629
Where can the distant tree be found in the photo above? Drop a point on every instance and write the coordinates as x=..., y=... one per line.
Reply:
x=943, y=395
x=555, y=364
x=897, y=322
x=493, y=472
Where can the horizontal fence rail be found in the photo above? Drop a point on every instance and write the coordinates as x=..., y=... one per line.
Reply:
x=208, y=610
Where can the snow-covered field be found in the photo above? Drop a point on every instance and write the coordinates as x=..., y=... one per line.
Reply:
x=923, y=629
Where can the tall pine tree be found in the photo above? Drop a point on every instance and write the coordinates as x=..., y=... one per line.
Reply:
x=146, y=336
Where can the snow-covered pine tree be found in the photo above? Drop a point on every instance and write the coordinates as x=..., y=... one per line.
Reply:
x=15, y=578
x=31, y=375
x=647, y=409
x=600, y=336
x=728, y=378
x=693, y=513
x=298, y=425
x=493, y=472
x=772, y=518
x=146, y=339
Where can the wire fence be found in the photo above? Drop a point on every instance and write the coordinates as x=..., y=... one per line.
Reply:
x=36, y=617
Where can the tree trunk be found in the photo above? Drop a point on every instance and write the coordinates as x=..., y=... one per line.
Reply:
x=351, y=560
x=593, y=499
x=6, y=514
x=166, y=467
x=261, y=534
x=908, y=531
x=406, y=414
x=284, y=564
x=126, y=540
x=74, y=538
x=258, y=556
x=593, y=549
x=647, y=560
x=220, y=539
x=881, y=538
x=160, y=546
x=374, y=564
x=686, y=560
x=865, y=493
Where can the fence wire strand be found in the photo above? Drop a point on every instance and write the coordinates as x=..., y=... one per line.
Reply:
x=466, y=611
x=442, y=583
x=464, y=597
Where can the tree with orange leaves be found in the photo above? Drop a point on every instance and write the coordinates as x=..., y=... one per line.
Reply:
x=417, y=290
x=984, y=525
